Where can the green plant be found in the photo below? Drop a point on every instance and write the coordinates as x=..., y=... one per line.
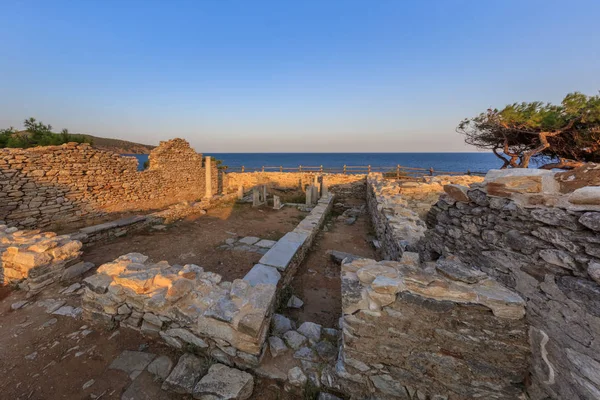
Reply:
x=521, y=132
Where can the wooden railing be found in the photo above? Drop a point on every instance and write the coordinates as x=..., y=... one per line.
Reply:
x=397, y=172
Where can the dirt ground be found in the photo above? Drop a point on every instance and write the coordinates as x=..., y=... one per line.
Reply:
x=195, y=240
x=317, y=281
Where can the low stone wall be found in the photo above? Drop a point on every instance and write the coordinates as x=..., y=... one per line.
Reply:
x=545, y=245
x=184, y=305
x=433, y=332
x=398, y=228
x=57, y=185
x=33, y=259
x=287, y=179
x=280, y=263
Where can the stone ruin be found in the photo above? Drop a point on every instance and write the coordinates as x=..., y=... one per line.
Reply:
x=34, y=260
x=184, y=305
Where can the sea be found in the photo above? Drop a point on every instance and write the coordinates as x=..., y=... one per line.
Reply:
x=453, y=162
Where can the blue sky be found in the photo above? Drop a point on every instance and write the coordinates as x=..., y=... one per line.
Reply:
x=262, y=76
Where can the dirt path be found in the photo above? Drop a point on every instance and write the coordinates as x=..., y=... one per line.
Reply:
x=317, y=281
x=196, y=239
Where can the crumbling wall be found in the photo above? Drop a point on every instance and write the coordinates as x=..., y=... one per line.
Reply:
x=429, y=332
x=54, y=185
x=518, y=227
x=34, y=259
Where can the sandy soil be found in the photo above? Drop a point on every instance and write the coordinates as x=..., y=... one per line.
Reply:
x=196, y=239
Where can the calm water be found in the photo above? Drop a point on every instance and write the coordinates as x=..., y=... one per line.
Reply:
x=457, y=162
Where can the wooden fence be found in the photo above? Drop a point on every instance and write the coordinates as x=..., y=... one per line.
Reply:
x=397, y=172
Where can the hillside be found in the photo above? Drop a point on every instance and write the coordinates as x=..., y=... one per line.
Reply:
x=116, y=145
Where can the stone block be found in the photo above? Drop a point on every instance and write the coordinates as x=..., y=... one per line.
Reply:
x=262, y=274
x=224, y=383
x=282, y=253
x=185, y=375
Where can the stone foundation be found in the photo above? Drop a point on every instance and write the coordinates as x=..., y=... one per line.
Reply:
x=33, y=259
x=545, y=245
x=425, y=333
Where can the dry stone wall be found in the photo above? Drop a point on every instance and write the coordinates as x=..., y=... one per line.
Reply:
x=72, y=183
x=440, y=331
x=545, y=245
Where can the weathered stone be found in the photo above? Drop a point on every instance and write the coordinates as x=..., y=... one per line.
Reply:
x=370, y=272
x=306, y=353
x=132, y=362
x=389, y=386
x=294, y=339
x=249, y=240
x=185, y=375
x=262, y=274
x=186, y=336
x=457, y=271
x=559, y=258
x=589, y=195
x=266, y=244
x=296, y=377
x=457, y=192
x=311, y=331
x=385, y=285
x=160, y=367
x=594, y=271
x=98, y=283
x=294, y=302
x=77, y=270
x=280, y=324
x=224, y=383
x=326, y=350
x=591, y=220
x=276, y=346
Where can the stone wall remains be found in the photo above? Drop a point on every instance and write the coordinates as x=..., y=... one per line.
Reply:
x=434, y=331
x=75, y=183
x=519, y=228
x=35, y=260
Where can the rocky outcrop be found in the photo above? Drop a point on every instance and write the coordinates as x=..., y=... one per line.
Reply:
x=519, y=228
x=34, y=259
x=410, y=331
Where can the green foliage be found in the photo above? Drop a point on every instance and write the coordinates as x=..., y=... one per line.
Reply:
x=36, y=134
x=146, y=164
x=569, y=132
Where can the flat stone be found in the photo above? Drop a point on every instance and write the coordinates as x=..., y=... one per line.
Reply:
x=267, y=244
x=144, y=388
x=186, y=336
x=224, y=383
x=457, y=192
x=311, y=331
x=98, y=283
x=19, y=304
x=294, y=302
x=294, y=339
x=339, y=256
x=559, y=258
x=457, y=271
x=277, y=346
x=296, y=377
x=331, y=334
x=132, y=362
x=161, y=367
x=185, y=375
x=50, y=305
x=262, y=274
x=367, y=274
x=280, y=324
x=76, y=270
x=113, y=224
x=249, y=240
x=69, y=311
x=270, y=371
x=282, y=253
x=385, y=285
x=327, y=396
x=591, y=220
x=389, y=385
x=71, y=289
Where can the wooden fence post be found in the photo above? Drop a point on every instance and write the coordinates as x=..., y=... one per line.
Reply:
x=344, y=168
x=263, y=168
x=281, y=168
x=299, y=168
x=321, y=169
x=369, y=168
x=431, y=171
x=398, y=171
x=243, y=169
